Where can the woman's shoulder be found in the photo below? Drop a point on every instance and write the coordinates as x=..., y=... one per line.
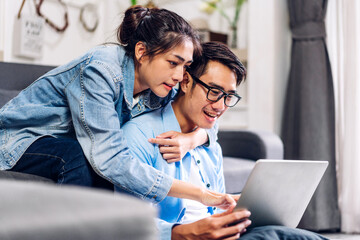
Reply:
x=112, y=58
x=108, y=53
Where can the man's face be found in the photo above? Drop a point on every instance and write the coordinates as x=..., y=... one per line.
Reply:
x=197, y=109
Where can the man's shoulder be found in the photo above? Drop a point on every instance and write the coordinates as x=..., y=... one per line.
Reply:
x=214, y=151
x=146, y=123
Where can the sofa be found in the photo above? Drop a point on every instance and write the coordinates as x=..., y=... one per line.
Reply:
x=75, y=213
x=241, y=149
x=34, y=208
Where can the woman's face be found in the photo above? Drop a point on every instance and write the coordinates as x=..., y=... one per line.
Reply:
x=163, y=71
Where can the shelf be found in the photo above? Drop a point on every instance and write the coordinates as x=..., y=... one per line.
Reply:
x=242, y=54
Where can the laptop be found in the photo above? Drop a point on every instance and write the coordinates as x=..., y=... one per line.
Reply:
x=277, y=192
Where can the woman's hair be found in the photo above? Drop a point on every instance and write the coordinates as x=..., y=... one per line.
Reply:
x=219, y=52
x=159, y=29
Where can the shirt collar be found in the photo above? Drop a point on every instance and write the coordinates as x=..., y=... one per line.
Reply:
x=169, y=119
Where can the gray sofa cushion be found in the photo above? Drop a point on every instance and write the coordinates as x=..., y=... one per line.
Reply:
x=236, y=172
x=39, y=211
x=6, y=95
x=22, y=176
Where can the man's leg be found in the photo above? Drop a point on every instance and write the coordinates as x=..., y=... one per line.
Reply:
x=279, y=233
x=59, y=159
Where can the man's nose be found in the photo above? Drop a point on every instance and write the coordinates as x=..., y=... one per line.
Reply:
x=220, y=104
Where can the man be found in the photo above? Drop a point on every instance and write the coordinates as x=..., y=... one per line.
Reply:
x=206, y=92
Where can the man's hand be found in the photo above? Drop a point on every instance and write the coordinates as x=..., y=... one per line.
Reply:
x=227, y=225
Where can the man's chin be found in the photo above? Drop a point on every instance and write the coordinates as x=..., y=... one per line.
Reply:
x=206, y=126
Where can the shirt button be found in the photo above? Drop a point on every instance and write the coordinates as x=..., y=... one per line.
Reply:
x=139, y=107
x=208, y=185
x=155, y=196
x=214, y=208
x=198, y=161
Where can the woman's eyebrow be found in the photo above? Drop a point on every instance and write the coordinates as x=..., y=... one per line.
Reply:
x=181, y=58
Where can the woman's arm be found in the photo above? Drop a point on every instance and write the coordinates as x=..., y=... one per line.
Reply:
x=97, y=125
x=187, y=190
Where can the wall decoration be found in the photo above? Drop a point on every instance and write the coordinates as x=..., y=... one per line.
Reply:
x=48, y=21
x=89, y=17
x=28, y=36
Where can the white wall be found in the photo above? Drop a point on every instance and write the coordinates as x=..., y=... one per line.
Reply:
x=2, y=19
x=269, y=42
x=263, y=30
x=60, y=48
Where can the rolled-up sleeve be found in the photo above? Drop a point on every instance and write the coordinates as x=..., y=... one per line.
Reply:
x=165, y=229
x=97, y=127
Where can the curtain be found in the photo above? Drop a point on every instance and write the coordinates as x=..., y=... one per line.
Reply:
x=308, y=127
x=344, y=49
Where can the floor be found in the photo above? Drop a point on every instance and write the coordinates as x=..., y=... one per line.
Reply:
x=341, y=236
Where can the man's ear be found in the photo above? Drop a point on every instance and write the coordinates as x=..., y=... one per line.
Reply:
x=186, y=83
x=140, y=50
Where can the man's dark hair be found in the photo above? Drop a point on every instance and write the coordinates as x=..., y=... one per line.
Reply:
x=219, y=52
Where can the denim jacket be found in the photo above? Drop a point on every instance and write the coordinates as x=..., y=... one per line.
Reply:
x=89, y=98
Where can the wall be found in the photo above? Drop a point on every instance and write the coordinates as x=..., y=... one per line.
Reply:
x=2, y=24
x=59, y=48
x=269, y=62
x=263, y=31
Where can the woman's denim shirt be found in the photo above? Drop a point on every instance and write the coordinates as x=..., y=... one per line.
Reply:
x=88, y=99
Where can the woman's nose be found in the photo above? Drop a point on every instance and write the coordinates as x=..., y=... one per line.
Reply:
x=178, y=74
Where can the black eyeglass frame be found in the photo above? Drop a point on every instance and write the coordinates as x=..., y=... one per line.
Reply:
x=224, y=94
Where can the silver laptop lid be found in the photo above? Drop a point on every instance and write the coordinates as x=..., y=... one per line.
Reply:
x=277, y=192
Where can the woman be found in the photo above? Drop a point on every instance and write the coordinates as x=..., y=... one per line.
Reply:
x=67, y=125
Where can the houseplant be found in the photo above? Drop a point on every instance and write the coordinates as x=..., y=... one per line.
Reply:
x=209, y=6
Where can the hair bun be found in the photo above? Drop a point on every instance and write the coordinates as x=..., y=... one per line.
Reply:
x=133, y=17
x=159, y=30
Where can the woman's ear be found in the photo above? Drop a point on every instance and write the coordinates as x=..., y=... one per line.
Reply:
x=140, y=50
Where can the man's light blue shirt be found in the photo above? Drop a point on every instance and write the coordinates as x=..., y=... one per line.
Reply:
x=208, y=159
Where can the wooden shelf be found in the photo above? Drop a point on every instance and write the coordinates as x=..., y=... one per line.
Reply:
x=242, y=54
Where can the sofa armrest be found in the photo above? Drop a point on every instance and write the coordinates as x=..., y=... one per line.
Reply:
x=33, y=210
x=11, y=175
x=250, y=144
x=17, y=76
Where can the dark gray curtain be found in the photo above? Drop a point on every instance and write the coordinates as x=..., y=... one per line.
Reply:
x=308, y=128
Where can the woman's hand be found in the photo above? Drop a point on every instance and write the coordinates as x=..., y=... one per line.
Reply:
x=220, y=200
x=174, y=145
x=181, y=189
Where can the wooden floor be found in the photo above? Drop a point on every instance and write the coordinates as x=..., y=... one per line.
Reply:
x=341, y=236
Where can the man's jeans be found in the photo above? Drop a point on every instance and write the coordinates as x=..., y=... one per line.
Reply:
x=62, y=160
x=279, y=233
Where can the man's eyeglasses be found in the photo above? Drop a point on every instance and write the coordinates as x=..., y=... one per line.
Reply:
x=214, y=94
